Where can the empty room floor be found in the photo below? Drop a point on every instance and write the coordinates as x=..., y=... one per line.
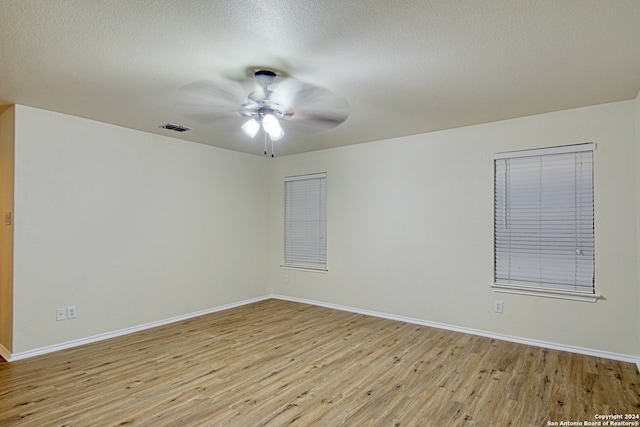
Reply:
x=276, y=363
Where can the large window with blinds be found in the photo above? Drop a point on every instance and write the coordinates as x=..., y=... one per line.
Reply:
x=544, y=220
x=305, y=221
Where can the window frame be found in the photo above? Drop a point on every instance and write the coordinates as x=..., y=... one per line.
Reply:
x=320, y=263
x=549, y=289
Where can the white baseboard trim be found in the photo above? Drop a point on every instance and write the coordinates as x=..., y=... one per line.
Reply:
x=100, y=337
x=6, y=354
x=509, y=338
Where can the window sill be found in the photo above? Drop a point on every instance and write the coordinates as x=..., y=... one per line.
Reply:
x=304, y=268
x=546, y=293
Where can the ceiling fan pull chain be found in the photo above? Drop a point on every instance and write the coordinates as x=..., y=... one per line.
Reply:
x=272, y=154
x=265, y=143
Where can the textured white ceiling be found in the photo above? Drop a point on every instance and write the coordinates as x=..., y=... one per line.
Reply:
x=405, y=67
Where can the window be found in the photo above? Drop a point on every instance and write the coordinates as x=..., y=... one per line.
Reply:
x=544, y=222
x=305, y=221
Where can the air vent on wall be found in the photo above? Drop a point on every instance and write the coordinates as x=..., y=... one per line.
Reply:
x=177, y=128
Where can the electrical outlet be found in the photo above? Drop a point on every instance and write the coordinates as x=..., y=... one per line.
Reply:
x=72, y=312
x=61, y=314
x=498, y=307
x=285, y=279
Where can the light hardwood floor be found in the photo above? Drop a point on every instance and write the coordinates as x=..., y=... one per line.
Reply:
x=281, y=363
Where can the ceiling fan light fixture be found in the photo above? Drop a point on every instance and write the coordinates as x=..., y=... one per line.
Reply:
x=275, y=136
x=251, y=127
x=272, y=127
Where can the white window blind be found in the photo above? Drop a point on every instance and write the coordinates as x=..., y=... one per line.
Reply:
x=544, y=219
x=305, y=221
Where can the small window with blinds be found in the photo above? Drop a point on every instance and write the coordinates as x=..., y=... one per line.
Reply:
x=544, y=222
x=305, y=221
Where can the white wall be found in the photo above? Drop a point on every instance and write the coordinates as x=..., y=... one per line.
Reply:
x=411, y=229
x=129, y=227
x=135, y=228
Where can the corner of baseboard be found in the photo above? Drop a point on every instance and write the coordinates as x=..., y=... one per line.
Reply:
x=5, y=353
x=113, y=334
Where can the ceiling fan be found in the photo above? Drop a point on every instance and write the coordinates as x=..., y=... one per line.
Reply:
x=265, y=100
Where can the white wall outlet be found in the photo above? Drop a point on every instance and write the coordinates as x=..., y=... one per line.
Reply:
x=285, y=278
x=61, y=314
x=498, y=307
x=72, y=312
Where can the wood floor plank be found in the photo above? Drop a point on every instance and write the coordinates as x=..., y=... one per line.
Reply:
x=276, y=363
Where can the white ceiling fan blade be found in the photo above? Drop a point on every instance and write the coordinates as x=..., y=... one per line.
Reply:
x=210, y=117
x=208, y=101
x=310, y=103
x=216, y=94
x=285, y=91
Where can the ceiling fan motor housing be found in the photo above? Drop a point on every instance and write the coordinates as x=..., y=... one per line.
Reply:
x=265, y=77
